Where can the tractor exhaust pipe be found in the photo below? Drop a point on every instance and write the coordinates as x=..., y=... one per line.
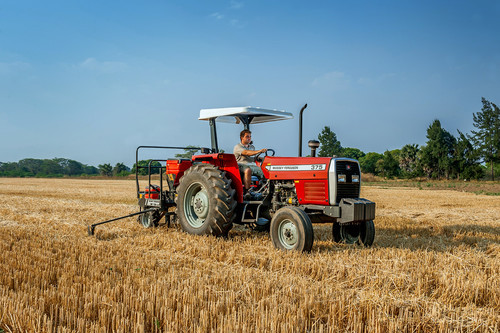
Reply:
x=313, y=144
x=300, y=129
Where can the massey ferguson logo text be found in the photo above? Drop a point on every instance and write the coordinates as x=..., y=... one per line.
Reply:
x=301, y=167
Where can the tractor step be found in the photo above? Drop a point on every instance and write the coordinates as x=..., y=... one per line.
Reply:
x=248, y=211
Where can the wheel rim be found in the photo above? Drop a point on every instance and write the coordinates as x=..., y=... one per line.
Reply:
x=288, y=234
x=196, y=205
x=146, y=219
x=350, y=233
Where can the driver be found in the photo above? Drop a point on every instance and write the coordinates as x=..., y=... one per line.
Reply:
x=244, y=152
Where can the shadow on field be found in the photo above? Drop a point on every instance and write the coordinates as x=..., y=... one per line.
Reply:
x=411, y=236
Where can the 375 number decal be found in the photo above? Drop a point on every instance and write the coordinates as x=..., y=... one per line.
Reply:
x=317, y=167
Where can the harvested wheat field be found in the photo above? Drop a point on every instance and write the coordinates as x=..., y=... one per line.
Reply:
x=434, y=267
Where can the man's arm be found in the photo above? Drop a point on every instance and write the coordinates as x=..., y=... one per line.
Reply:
x=253, y=152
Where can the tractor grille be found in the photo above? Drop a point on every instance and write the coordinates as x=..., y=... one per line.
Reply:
x=347, y=189
x=347, y=168
x=315, y=191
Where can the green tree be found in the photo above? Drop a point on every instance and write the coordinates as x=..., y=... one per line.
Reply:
x=437, y=155
x=369, y=161
x=188, y=153
x=487, y=137
x=352, y=153
x=388, y=166
x=143, y=167
x=466, y=159
x=70, y=167
x=409, y=161
x=120, y=169
x=30, y=166
x=50, y=168
x=90, y=170
x=10, y=169
x=105, y=169
x=329, y=145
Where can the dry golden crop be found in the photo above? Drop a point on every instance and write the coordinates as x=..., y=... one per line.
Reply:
x=434, y=267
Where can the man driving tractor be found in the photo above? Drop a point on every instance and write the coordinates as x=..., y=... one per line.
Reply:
x=244, y=152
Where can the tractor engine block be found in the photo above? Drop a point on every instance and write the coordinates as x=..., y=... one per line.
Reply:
x=284, y=194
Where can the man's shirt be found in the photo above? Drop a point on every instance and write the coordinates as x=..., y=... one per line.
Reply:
x=242, y=159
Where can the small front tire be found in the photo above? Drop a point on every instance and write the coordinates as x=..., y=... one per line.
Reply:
x=291, y=229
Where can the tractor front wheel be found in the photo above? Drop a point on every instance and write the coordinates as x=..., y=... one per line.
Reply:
x=205, y=201
x=291, y=229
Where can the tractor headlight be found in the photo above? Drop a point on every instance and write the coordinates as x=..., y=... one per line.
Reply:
x=341, y=178
x=355, y=178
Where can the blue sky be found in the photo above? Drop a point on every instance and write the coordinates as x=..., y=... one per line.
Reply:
x=92, y=80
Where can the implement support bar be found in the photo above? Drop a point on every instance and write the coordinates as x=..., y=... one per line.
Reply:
x=91, y=227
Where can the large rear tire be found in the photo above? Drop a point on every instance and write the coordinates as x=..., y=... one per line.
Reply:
x=291, y=229
x=205, y=201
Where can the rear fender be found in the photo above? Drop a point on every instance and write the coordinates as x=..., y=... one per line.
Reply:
x=227, y=163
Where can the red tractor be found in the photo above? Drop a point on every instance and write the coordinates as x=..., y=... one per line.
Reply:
x=205, y=193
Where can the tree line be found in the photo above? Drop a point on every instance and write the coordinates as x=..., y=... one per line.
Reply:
x=56, y=167
x=61, y=167
x=466, y=156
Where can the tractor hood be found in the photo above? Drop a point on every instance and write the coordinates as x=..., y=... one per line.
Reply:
x=245, y=114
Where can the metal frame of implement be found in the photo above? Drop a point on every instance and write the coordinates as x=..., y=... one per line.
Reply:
x=164, y=202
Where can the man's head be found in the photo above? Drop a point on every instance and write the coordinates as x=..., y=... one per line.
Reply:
x=246, y=137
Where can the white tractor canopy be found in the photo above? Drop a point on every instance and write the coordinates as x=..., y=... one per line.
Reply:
x=246, y=115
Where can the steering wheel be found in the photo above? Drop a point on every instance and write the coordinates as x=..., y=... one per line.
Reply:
x=265, y=153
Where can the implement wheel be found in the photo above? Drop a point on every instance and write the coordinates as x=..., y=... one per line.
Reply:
x=361, y=233
x=149, y=219
x=291, y=229
x=367, y=233
x=205, y=201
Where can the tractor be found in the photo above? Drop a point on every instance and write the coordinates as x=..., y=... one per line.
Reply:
x=204, y=194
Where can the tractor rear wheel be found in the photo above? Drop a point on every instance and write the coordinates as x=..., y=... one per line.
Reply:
x=291, y=229
x=205, y=201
